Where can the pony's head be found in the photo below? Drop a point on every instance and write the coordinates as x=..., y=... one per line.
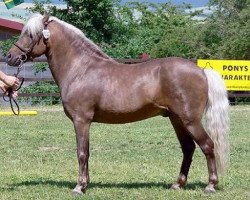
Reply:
x=32, y=42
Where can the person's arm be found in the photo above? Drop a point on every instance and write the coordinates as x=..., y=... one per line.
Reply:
x=2, y=76
x=2, y=86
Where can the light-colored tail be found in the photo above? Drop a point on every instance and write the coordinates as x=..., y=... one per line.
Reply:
x=217, y=113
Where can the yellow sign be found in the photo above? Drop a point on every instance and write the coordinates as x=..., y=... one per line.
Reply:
x=236, y=73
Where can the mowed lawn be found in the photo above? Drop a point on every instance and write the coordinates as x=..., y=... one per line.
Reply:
x=132, y=161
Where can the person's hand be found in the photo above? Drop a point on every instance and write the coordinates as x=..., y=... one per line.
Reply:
x=11, y=81
x=5, y=87
x=15, y=94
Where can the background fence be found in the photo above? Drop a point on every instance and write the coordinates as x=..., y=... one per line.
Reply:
x=50, y=98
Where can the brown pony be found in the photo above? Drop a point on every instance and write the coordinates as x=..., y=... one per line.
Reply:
x=96, y=88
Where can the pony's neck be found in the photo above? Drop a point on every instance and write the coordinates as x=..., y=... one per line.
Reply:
x=70, y=52
x=73, y=34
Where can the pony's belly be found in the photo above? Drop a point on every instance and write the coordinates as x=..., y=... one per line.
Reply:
x=112, y=117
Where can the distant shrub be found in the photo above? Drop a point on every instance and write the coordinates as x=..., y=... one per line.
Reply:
x=42, y=87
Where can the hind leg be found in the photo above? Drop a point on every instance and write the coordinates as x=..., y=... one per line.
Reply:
x=187, y=146
x=200, y=136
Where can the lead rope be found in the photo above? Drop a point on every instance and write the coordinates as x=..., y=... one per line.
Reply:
x=9, y=92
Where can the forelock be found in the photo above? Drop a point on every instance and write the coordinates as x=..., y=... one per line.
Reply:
x=34, y=26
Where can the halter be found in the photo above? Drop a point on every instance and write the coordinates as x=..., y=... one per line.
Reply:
x=8, y=94
x=26, y=52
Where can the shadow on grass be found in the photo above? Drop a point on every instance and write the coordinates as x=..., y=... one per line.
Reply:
x=131, y=185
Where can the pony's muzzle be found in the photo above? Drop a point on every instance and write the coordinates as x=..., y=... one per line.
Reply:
x=13, y=60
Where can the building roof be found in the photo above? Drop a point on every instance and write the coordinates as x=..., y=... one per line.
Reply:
x=11, y=24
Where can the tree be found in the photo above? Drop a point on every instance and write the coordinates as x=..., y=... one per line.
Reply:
x=158, y=29
x=96, y=18
x=225, y=33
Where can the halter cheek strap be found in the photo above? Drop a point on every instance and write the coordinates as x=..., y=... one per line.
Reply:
x=26, y=52
x=22, y=49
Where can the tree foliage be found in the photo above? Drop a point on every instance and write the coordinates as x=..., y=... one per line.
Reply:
x=96, y=18
x=158, y=29
x=167, y=30
x=6, y=45
x=126, y=30
x=225, y=33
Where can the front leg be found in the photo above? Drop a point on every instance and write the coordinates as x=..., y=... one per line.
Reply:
x=82, y=125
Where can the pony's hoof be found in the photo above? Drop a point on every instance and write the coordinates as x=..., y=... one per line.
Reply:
x=209, y=190
x=175, y=187
x=77, y=192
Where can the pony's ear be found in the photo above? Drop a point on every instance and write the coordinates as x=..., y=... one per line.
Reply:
x=46, y=18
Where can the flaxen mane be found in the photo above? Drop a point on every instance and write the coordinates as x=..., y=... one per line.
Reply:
x=34, y=27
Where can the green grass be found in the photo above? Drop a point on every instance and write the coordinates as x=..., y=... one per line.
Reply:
x=132, y=161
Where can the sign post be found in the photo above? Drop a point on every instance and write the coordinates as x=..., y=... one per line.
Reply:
x=236, y=73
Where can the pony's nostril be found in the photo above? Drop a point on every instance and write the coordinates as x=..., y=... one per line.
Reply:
x=8, y=57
